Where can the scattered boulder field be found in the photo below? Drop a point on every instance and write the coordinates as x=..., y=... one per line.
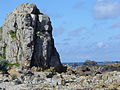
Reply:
x=84, y=77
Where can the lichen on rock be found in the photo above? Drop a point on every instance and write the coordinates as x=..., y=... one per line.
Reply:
x=27, y=38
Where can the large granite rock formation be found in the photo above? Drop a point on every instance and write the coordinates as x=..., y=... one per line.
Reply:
x=27, y=38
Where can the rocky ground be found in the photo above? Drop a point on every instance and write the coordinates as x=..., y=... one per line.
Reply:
x=83, y=77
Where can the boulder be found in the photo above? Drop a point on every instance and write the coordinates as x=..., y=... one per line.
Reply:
x=27, y=38
x=90, y=63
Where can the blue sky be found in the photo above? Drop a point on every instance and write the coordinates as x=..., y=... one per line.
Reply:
x=82, y=29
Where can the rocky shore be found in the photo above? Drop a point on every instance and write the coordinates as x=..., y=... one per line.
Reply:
x=30, y=61
x=85, y=77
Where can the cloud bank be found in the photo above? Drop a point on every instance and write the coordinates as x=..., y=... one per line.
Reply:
x=106, y=9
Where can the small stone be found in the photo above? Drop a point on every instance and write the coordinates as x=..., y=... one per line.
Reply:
x=6, y=80
x=29, y=73
x=17, y=82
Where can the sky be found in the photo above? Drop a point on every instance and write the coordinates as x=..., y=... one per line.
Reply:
x=82, y=29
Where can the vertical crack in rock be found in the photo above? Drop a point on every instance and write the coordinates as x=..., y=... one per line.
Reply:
x=27, y=36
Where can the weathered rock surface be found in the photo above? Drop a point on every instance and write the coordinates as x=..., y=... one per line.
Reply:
x=27, y=38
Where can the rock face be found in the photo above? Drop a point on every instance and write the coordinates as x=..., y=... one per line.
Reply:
x=27, y=38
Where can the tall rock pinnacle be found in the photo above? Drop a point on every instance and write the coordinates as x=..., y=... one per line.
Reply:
x=27, y=38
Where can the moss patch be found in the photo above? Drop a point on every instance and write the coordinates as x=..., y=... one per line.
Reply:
x=12, y=34
x=13, y=64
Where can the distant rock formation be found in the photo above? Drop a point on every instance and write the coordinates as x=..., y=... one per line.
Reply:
x=27, y=38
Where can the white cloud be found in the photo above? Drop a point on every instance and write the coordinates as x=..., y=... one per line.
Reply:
x=106, y=9
x=117, y=24
x=101, y=45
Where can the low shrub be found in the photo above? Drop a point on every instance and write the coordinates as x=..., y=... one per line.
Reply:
x=3, y=64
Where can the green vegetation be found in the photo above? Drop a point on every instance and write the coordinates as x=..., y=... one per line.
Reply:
x=0, y=33
x=4, y=52
x=12, y=34
x=10, y=65
x=4, y=57
x=5, y=65
x=0, y=28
